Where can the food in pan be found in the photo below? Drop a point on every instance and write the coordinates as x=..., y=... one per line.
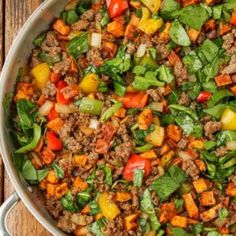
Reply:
x=125, y=118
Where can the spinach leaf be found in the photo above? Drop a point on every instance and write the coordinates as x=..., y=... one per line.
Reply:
x=230, y=4
x=94, y=208
x=83, y=198
x=192, y=89
x=82, y=6
x=178, y=204
x=165, y=74
x=148, y=208
x=169, y=182
x=97, y=226
x=26, y=111
x=105, y=17
x=7, y=100
x=78, y=45
x=42, y=174
x=108, y=174
x=58, y=170
x=138, y=177
x=192, y=62
x=143, y=83
x=208, y=145
x=110, y=111
x=219, y=96
x=223, y=213
x=198, y=228
x=216, y=111
x=217, y=12
x=212, y=69
x=50, y=60
x=70, y=17
x=209, y=49
x=38, y=41
x=68, y=202
x=209, y=86
x=33, y=143
x=176, y=231
x=169, y=6
x=29, y=172
x=178, y=34
x=18, y=160
x=194, y=16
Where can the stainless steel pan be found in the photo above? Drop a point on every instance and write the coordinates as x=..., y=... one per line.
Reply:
x=17, y=56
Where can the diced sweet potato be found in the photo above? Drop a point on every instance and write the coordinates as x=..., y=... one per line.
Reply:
x=174, y=132
x=193, y=34
x=116, y=28
x=222, y=80
x=200, y=185
x=80, y=160
x=145, y=119
x=55, y=124
x=61, y=27
x=207, y=198
x=200, y=164
x=211, y=213
x=173, y=58
x=168, y=212
x=61, y=190
x=79, y=184
x=191, y=206
x=180, y=221
x=123, y=196
x=149, y=154
x=130, y=223
x=52, y=178
x=231, y=190
x=224, y=28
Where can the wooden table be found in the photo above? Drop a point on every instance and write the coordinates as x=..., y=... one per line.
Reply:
x=13, y=14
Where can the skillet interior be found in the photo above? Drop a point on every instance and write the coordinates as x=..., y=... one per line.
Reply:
x=17, y=57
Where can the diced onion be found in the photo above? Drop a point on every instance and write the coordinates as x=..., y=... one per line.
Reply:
x=93, y=124
x=96, y=40
x=78, y=219
x=185, y=155
x=141, y=50
x=231, y=145
x=65, y=109
x=45, y=108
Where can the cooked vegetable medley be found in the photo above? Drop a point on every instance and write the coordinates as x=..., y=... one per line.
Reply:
x=125, y=118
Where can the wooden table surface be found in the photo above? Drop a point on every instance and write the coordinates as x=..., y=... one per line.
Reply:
x=13, y=14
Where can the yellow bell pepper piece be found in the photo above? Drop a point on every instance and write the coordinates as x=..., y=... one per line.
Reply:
x=165, y=159
x=146, y=14
x=156, y=137
x=228, y=120
x=150, y=26
x=89, y=83
x=152, y=5
x=41, y=74
x=108, y=208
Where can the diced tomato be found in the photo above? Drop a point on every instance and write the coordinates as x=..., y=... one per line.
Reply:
x=233, y=18
x=53, y=114
x=60, y=97
x=55, y=77
x=134, y=100
x=53, y=142
x=116, y=7
x=136, y=162
x=203, y=96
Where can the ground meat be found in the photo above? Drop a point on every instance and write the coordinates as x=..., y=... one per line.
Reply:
x=63, y=66
x=115, y=227
x=182, y=144
x=94, y=57
x=180, y=72
x=155, y=199
x=65, y=223
x=233, y=178
x=162, y=50
x=82, y=220
x=131, y=48
x=50, y=90
x=51, y=45
x=35, y=60
x=54, y=207
x=146, y=39
x=135, y=197
x=231, y=68
x=221, y=151
x=129, y=78
x=228, y=41
x=124, y=150
x=201, y=38
x=184, y=99
x=71, y=79
x=80, y=25
x=212, y=34
x=88, y=15
x=191, y=169
x=154, y=94
x=211, y=127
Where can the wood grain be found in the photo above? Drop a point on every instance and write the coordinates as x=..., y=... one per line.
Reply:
x=20, y=221
x=1, y=62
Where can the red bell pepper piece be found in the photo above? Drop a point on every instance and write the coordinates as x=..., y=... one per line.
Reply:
x=116, y=7
x=53, y=114
x=136, y=162
x=134, y=100
x=233, y=18
x=53, y=142
x=60, y=97
x=203, y=96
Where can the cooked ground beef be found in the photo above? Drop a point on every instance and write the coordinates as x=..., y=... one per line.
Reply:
x=191, y=169
x=131, y=48
x=115, y=227
x=211, y=127
x=88, y=15
x=180, y=72
x=94, y=57
x=49, y=90
x=221, y=151
x=154, y=94
x=80, y=25
x=184, y=99
x=182, y=144
x=65, y=223
x=63, y=66
x=54, y=207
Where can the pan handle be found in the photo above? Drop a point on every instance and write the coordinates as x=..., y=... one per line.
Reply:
x=4, y=211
